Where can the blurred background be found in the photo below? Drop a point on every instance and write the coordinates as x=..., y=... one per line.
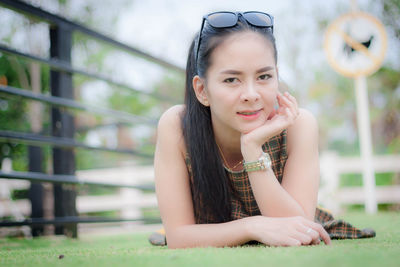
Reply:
x=147, y=82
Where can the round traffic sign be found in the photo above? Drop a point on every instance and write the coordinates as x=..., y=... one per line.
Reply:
x=355, y=44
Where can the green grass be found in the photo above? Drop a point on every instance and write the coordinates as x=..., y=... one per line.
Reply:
x=134, y=250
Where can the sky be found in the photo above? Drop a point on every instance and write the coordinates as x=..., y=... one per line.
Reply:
x=165, y=28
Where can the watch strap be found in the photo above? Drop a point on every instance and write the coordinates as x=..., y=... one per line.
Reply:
x=263, y=163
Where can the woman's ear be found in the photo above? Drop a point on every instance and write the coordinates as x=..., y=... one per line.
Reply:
x=200, y=90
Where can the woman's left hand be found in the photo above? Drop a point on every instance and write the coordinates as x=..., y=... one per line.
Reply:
x=276, y=122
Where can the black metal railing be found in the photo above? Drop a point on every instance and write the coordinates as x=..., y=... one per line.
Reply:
x=61, y=139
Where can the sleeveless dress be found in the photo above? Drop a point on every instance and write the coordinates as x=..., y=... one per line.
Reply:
x=243, y=203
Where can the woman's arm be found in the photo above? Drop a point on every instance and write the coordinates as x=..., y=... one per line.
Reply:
x=297, y=195
x=176, y=208
x=301, y=173
x=289, y=231
x=174, y=196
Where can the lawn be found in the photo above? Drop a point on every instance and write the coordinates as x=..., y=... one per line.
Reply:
x=134, y=250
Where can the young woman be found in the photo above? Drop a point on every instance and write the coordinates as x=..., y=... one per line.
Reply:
x=238, y=162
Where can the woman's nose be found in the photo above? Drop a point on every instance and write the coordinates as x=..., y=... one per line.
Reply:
x=250, y=93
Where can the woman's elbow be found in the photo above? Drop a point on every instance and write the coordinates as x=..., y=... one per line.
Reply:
x=176, y=239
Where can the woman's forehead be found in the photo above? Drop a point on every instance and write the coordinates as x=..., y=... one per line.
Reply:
x=243, y=50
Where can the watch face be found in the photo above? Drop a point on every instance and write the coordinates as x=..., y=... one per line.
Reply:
x=266, y=161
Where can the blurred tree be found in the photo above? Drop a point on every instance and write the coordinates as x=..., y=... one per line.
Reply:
x=385, y=110
x=31, y=36
x=332, y=97
x=12, y=115
x=391, y=14
x=334, y=94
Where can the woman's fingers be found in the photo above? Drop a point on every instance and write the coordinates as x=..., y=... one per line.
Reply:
x=316, y=241
x=272, y=114
x=280, y=104
x=324, y=235
x=314, y=235
x=304, y=238
x=294, y=101
x=290, y=116
x=321, y=231
x=277, y=120
x=292, y=242
x=289, y=101
x=314, y=230
x=291, y=231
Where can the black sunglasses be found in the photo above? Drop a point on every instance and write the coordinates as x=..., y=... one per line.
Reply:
x=226, y=19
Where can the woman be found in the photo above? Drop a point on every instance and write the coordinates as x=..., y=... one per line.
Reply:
x=238, y=162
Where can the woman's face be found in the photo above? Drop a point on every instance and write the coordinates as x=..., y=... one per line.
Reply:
x=242, y=83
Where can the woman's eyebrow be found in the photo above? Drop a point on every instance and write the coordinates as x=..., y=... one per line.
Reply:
x=265, y=69
x=237, y=72
x=234, y=72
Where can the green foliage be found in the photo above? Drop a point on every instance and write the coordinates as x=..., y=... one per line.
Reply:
x=14, y=109
x=91, y=53
x=355, y=179
x=89, y=159
x=107, y=214
x=172, y=85
x=336, y=98
x=93, y=190
x=384, y=91
x=337, y=116
x=19, y=194
x=391, y=14
x=131, y=102
x=151, y=213
x=12, y=116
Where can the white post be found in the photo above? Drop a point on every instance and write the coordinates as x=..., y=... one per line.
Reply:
x=329, y=184
x=364, y=132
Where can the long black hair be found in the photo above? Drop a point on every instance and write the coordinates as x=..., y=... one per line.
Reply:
x=211, y=188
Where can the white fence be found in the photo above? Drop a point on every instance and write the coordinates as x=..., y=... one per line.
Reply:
x=131, y=201
x=128, y=201
x=332, y=166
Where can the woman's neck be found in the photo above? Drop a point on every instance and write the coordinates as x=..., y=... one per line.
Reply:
x=229, y=144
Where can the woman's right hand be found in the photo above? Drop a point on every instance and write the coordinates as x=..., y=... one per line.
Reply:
x=288, y=231
x=277, y=121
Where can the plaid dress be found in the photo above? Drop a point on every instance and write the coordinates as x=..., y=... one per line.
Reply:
x=243, y=203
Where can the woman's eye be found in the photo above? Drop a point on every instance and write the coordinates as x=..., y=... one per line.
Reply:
x=230, y=80
x=265, y=77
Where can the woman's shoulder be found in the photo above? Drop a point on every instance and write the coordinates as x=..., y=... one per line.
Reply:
x=172, y=116
x=303, y=130
x=305, y=118
x=169, y=126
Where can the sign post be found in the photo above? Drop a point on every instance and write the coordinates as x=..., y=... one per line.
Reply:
x=355, y=45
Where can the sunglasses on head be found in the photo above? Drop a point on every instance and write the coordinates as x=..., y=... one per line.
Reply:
x=226, y=19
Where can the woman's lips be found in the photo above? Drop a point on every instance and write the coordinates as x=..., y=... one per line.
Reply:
x=249, y=114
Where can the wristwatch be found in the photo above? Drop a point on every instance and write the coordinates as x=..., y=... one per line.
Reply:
x=263, y=163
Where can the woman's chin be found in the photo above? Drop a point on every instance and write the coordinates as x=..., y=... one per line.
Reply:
x=252, y=126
